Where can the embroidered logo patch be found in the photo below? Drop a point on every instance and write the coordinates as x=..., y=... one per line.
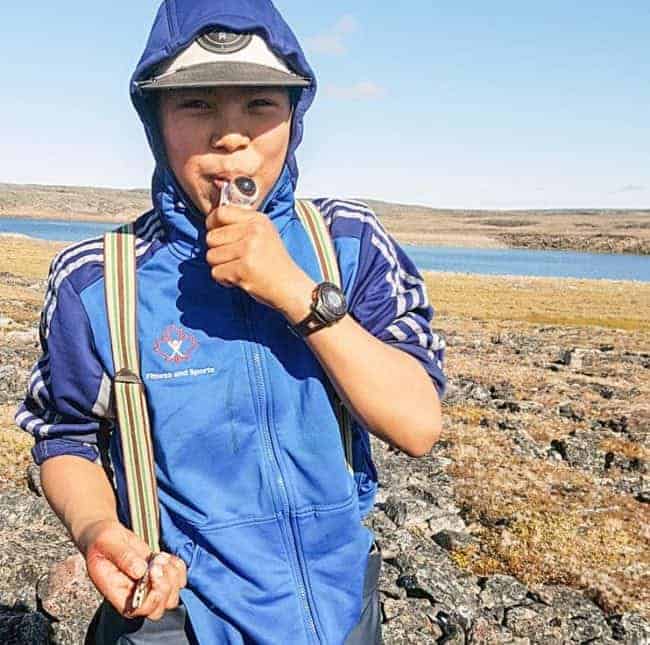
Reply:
x=176, y=345
x=224, y=42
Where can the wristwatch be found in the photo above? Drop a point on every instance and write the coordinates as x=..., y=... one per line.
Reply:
x=328, y=305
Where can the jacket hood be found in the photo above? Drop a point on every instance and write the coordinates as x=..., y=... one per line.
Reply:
x=177, y=24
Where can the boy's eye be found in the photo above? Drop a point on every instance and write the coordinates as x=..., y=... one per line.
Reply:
x=256, y=103
x=195, y=104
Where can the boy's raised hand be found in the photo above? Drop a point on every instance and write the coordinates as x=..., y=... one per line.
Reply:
x=116, y=559
x=245, y=250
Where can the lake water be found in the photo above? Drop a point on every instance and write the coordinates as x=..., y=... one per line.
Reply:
x=459, y=260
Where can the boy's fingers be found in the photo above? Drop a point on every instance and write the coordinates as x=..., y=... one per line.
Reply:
x=130, y=563
x=172, y=576
x=115, y=586
x=181, y=571
x=129, y=556
x=111, y=582
x=174, y=567
x=224, y=254
x=173, y=600
x=164, y=589
x=223, y=215
x=153, y=602
x=226, y=235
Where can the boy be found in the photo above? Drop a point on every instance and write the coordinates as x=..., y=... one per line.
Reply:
x=260, y=519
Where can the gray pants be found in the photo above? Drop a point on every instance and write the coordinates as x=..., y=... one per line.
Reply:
x=110, y=628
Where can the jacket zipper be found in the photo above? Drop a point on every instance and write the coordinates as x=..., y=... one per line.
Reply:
x=271, y=450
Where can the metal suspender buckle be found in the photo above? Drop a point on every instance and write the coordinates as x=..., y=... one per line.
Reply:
x=127, y=376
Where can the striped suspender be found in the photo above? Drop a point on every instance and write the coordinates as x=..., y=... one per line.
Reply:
x=314, y=224
x=130, y=402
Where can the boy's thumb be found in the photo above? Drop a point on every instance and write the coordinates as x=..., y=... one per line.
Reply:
x=130, y=563
x=129, y=556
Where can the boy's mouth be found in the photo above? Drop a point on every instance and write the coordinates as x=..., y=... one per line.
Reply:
x=219, y=182
x=221, y=179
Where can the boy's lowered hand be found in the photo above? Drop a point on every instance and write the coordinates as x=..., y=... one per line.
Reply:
x=116, y=559
x=245, y=250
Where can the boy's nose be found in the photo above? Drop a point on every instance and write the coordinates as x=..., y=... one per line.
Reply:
x=230, y=141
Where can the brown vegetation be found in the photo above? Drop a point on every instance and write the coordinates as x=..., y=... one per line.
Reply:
x=541, y=520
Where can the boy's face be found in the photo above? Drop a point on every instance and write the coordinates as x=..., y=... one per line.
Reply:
x=215, y=134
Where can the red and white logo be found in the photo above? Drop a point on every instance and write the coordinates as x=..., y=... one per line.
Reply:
x=175, y=345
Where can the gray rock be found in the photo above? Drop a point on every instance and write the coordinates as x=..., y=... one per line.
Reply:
x=13, y=382
x=415, y=623
x=32, y=539
x=22, y=337
x=34, y=479
x=488, y=632
x=580, y=359
x=465, y=389
x=502, y=591
x=579, y=617
x=6, y=322
x=567, y=411
x=429, y=573
x=66, y=590
x=447, y=523
x=535, y=622
x=396, y=511
x=21, y=627
x=581, y=450
x=387, y=584
x=631, y=629
x=392, y=608
x=453, y=540
x=644, y=497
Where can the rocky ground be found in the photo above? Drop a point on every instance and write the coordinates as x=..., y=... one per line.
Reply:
x=529, y=522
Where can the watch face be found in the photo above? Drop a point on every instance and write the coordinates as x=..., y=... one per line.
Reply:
x=333, y=301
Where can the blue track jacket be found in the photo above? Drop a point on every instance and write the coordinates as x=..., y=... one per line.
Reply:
x=254, y=493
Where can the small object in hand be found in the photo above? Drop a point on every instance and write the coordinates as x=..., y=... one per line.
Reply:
x=142, y=588
x=242, y=191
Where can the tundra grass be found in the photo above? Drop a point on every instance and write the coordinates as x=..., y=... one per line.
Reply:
x=539, y=521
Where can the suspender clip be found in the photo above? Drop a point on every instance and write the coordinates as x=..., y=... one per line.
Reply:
x=125, y=375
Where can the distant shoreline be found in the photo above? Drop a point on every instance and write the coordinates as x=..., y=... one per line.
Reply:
x=99, y=219
x=589, y=230
x=47, y=248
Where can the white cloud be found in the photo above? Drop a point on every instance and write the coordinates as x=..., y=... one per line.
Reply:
x=358, y=92
x=332, y=41
x=631, y=188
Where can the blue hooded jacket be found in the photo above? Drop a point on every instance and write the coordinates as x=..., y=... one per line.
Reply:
x=254, y=492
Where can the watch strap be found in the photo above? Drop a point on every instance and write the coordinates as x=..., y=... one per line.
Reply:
x=309, y=325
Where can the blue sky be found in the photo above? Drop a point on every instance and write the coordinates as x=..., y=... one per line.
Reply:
x=471, y=104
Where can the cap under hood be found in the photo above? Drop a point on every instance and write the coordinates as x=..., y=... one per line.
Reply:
x=179, y=22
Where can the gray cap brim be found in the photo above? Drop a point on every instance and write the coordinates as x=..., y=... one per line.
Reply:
x=224, y=74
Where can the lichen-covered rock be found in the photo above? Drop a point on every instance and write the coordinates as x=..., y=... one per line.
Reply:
x=22, y=627
x=487, y=632
x=66, y=590
x=32, y=539
x=502, y=591
x=34, y=479
x=453, y=540
x=631, y=629
x=18, y=338
x=13, y=382
x=396, y=511
x=429, y=573
x=412, y=623
x=558, y=613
